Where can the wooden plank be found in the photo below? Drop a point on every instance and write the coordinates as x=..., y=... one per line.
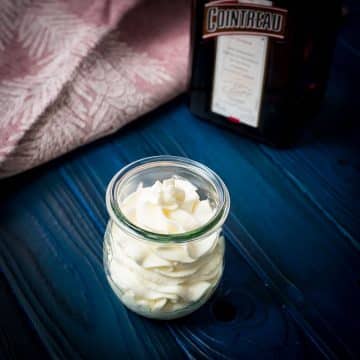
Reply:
x=51, y=253
x=52, y=223
x=15, y=344
x=307, y=248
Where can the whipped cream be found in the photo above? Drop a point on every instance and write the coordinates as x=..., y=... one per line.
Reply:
x=164, y=277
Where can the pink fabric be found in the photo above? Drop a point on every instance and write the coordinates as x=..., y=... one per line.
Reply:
x=73, y=71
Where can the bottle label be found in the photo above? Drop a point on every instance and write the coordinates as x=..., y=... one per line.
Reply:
x=240, y=59
x=246, y=17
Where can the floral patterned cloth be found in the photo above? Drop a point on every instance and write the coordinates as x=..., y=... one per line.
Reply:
x=72, y=71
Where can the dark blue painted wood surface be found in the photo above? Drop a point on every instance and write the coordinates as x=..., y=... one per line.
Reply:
x=291, y=288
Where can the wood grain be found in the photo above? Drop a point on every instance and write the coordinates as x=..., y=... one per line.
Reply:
x=287, y=271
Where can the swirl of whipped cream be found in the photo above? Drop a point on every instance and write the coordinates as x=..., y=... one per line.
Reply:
x=165, y=277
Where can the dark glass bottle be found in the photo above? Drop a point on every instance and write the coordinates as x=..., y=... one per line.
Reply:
x=261, y=86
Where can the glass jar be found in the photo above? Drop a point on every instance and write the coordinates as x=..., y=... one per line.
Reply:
x=188, y=266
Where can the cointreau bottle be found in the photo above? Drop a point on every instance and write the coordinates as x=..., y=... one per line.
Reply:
x=260, y=67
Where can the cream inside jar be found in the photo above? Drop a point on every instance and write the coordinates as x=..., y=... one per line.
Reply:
x=168, y=276
x=163, y=249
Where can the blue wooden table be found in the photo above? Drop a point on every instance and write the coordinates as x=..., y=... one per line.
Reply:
x=291, y=287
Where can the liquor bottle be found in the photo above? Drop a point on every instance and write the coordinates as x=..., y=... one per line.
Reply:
x=260, y=67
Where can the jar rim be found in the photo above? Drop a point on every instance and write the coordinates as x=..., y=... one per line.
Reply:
x=199, y=169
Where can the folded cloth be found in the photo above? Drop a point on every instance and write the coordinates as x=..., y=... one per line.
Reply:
x=72, y=71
